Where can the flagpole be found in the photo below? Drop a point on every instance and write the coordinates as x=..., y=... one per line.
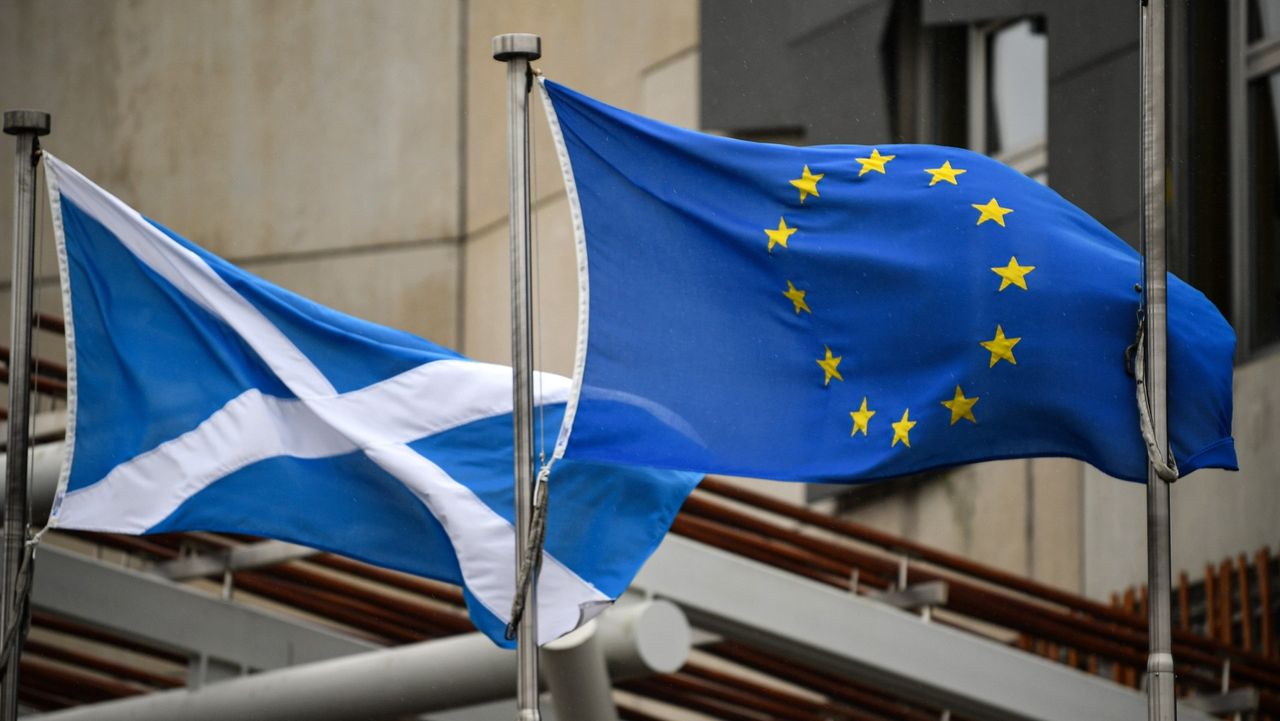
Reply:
x=1160, y=674
x=27, y=125
x=517, y=50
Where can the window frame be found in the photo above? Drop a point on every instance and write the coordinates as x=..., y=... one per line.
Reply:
x=1032, y=160
x=1247, y=62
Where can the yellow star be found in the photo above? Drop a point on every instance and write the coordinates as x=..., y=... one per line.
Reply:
x=901, y=429
x=829, y=366
x=991, y=210
x=779, y=236
x=797, y=296
x=808, y=184
x=946, y=172
x=1013, y=274
x=860, y=418
x=1001, y=347
x=875, y=162
x=961, y=407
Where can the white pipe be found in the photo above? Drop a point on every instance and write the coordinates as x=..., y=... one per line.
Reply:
x=575, y=671
x=46, y=464
x=647, y=638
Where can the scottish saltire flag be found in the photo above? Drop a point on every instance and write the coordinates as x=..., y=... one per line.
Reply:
x=849, y=313
x=204, y=398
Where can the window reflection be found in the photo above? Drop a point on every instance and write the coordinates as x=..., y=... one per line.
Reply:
x=1264, y=19
x=1017, y=93
x=1264, y=201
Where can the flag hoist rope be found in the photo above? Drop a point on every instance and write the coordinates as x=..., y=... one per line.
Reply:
x=1163, y=463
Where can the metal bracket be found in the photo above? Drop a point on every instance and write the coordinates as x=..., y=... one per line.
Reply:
x=1241, y=700
x=242, y=558
x=915, y=597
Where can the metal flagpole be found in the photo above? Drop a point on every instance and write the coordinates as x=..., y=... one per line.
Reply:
x=517, y=50
x=1160, y=675
x=27, y=125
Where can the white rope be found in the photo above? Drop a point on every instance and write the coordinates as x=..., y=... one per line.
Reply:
x=1166, y=470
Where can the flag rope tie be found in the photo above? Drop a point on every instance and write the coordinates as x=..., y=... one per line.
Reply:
x=532, y=561
x=21, y=625
x=1166, y=470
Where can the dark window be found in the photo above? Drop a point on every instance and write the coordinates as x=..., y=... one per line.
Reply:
x=1264, y=208
x=1264, y=19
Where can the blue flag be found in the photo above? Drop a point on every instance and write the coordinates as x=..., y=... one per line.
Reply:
x=204, y=398
x=851, y=313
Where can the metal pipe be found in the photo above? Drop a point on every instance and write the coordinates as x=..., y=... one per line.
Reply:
x=1161, y=705
x=632, y=640
x=840, y=688
x=575, y=671
x=387, y=684
x=42, y=483
x=517, y=50
x=26, y=125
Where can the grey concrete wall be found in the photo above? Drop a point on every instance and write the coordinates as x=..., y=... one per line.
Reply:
x=316, y=143
x=812, y=67
x=1215, y=514
x=1022, y=516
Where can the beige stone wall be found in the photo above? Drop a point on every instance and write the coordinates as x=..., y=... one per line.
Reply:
x=1023, y=516
x=638, y=56
x=314, y=142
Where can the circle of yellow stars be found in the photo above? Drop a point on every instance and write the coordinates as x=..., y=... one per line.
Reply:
x=1000, y=346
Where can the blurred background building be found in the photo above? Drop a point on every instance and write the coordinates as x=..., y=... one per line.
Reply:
x=354, y=152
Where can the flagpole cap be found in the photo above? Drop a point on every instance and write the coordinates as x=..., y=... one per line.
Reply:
x=517, y=45
x=21, y=122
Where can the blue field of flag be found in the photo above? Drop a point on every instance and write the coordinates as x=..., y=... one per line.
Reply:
x=848, y=313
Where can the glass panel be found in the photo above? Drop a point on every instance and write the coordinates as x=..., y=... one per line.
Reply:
x=1264, y=210
x=1264, y=19
x=1017, y=95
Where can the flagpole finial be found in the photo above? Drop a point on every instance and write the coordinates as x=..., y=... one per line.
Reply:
x=21, y=122
x=515, y=45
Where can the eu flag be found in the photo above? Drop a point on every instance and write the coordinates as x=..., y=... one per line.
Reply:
x=850, y=313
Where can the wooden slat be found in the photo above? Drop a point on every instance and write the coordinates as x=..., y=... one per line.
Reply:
x=1117, y=675
x=1210, y=602
x=1262, y=563
x=1246, y=605
x=1224, y=601
x=1184, y=602
x=1129, y=675
x=51, y=323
